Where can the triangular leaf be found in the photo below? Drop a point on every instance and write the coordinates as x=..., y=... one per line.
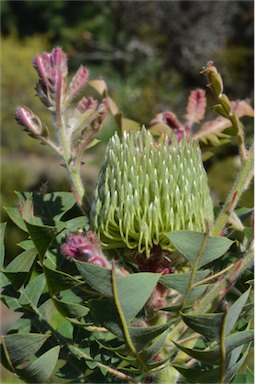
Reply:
x=235, y=311
x=193, y=375
x=70, y=309
x=42, y=368
x=134, y=290
x=42, y=237
x=208, y=325
x=143, y=335
x=20, y=347
x=149, y=352
x=213, y=356
x=23, y=262
x=59, y=281
x=98, y=278
x=33, y=291
x=188, y=243
x=180, y=281
x=15, y=216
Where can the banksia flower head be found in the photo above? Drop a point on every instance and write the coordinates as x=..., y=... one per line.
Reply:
x=147, y=189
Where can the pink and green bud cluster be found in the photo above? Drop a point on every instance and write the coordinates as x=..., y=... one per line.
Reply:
x=147, y=189
x=75, y=125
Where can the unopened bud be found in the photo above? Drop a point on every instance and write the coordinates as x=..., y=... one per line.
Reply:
x=31, y=122
x=147, y=189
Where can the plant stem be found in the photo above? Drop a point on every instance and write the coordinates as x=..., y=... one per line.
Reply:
x=241, y=184
x=73, y=172
x=194, y=269
x=223, y=347
x=221, y=287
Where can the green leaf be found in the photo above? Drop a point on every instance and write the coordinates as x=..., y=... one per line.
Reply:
x=72, y=225
x=151, y=350
x=188, y=243
x=42, y=368
x=128, y=287
x=104, y=313
x=193, y=295
x=69, y=309
x=23, y=262
x=2, y=250
x=232, y=369
x=180, y=281
x=208, y=325
x=33, y=291
x=42, y=237
x=98, y=278
x=213, y=356
x=19, y=347
x=134, y=290
x=235, y=311
x=15, y=216
x=59, y=281
x=143, y=335
x=17, y=279
x=198, y=375
x=50, y=207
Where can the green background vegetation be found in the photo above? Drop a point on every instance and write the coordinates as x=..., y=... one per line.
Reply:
x=149, y=52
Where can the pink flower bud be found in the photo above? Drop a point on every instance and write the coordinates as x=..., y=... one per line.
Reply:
x=59, y=61
x=78, y=82
x=25, y=117
x=52, y=70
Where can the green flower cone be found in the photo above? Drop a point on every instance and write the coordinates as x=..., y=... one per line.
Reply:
x=146, y=189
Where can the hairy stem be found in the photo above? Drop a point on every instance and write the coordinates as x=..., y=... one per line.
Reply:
x=241, y=184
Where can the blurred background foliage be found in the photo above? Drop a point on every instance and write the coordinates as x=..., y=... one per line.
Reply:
x=149, y=52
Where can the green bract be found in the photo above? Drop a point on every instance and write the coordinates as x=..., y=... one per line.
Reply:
x=146, y=189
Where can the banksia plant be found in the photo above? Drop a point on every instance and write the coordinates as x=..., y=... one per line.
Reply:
x=144, y=286
x=147, y=188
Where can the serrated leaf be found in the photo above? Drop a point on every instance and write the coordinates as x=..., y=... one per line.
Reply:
x=188, y=243
x=208, y=325
x=211, y=132
x=180, y=281
x=32, y=293
x=23, y=262
x=20, y=347
x=42, y=368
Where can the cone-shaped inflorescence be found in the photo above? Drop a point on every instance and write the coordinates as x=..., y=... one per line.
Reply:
x=146, y=189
